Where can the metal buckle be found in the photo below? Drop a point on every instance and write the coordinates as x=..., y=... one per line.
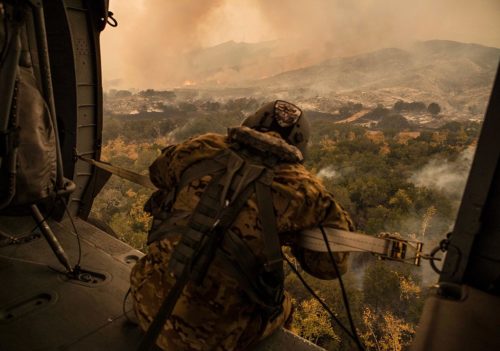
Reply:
x=399, y=250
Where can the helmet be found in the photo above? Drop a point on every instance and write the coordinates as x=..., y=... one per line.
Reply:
x=282, y=117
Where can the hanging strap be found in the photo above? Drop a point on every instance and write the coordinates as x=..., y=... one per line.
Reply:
x=121, y=172
x=272, y=246
x=191, y=173
x=241, y=263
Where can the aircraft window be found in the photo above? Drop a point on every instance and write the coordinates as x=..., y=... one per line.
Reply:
x=395, y=94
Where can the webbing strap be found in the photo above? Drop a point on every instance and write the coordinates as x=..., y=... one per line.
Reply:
x=388, y=247
x=242, y=264
x=272, y=246
x=342, y=241
x=121, y=172
x=202, y=168
x=167, y=227
x=191, y=173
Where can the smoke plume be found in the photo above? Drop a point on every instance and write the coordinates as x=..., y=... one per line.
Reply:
x=446, y=176
x=147, y=49
x=328, y=172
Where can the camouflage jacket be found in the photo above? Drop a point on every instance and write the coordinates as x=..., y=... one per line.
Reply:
x=218, y=315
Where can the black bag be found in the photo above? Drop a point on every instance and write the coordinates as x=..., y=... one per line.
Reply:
x=27, y=136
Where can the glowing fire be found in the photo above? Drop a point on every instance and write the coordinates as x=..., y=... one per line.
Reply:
x=188, y=83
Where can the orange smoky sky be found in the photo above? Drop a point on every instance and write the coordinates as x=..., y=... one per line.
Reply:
x=147, y=49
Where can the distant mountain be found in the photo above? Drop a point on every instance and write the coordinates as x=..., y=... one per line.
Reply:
x=437, y=64
x=229, y=55
x=232, y=63
x=455, y=74
x=458, y=76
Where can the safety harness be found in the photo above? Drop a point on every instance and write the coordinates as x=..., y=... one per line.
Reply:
x=236, y=176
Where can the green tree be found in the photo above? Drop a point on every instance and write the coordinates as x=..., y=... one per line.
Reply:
x=434, y=108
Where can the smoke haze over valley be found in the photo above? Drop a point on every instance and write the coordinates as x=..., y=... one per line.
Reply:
x=163, y=44
x=364, y=52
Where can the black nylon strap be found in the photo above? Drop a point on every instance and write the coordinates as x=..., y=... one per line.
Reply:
x=244, y=266
x=234, y=164
x=167, y=227
x=202, y=168
x=272, y=246
x=226, y=219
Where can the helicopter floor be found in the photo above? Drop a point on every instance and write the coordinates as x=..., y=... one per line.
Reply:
x=41, y=309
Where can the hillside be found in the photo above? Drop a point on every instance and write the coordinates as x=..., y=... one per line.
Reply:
x=458, y=76
x=238, y=63
x=439, y=65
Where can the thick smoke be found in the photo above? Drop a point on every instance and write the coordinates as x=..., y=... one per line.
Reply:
x=146, y=49
x=339, y=27
x=328, y=172
x=442, y=175
x=446, y=176
x=450, y=178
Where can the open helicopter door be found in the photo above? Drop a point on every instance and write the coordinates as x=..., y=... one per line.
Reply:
x=463, y=311
x=42, y=307
x=51, y=104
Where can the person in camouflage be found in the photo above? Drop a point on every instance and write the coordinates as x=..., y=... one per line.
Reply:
x=218, y=314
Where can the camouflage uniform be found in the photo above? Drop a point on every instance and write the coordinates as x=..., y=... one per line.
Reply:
x=218, y=315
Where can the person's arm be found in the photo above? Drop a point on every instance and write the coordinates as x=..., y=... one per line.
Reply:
x=311, y=205
x=319, y=264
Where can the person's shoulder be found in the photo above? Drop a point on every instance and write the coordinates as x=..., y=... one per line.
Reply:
x=208, y=142
x=207, y=138
x=297, y=176
x=294, y=170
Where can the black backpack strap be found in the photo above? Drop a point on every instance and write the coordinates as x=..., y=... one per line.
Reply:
x=272, y=247
x=204, y=167
x=264, y=289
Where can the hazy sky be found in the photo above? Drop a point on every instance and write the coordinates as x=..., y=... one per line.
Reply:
x=145, y=49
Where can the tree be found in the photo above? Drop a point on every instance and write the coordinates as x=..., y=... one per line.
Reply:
x=399, y=106
x=123, y=94
x=416, y=106
x=393, y=123
x=147, y=93
x=434, y=108
x=312, y=322
x=186, y=106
